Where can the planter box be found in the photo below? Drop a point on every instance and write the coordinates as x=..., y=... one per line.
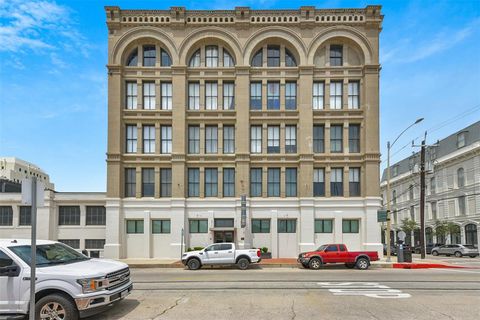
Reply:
x=267, y=255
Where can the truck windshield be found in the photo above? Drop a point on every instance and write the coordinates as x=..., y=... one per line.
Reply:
x=49, y=254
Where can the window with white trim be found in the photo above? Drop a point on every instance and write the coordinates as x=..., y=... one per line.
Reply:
x=148, y=95
x=318, y=95
x=194, y=96
x=131, y=143
x=166, y=139
x=211, y=95
x=167, y=96
x=273, y=139
x=148, y=139
x=131, y=95
x=256, y=139
x=336, y=94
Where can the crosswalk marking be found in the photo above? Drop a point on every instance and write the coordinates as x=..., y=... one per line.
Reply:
x=367, y=289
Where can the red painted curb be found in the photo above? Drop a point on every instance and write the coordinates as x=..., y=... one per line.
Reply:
x=426, y=266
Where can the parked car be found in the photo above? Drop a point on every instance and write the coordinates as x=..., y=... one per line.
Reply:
x=428, y=247
x=221, y=254
x=69, y=284
x=458, y=250
x=337, y=253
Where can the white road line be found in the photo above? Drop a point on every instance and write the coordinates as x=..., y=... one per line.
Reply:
x=367, y=289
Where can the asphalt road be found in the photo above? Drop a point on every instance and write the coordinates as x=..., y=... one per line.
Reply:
x=330, y=293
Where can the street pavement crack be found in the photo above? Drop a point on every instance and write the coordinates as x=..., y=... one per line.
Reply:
x=294, y=315
x=169, y=308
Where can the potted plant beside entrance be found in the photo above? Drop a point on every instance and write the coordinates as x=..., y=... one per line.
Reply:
x=264, y=254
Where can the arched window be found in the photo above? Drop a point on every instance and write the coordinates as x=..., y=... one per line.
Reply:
x=257, y=60
x=227, y=59
x=460, y=178
x=471, y=234
x=290, y=59
x=132, y=60
x=165, y=60
x=195, y=59
x=410, y=192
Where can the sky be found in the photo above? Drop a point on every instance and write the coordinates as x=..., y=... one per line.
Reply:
x=53, y=88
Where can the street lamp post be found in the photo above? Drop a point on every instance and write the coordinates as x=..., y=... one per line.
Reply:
x=389, y=221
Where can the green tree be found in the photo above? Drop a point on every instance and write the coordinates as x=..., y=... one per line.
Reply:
x=409, y=225
x=441, y=229
x=452, y=229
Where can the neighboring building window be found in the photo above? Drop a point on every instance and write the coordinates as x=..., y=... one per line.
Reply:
x=336, y=94
x=165, y=182
x=134, y=226
x=323, y=226
x=394, y=197
x=167, y=96
x=350, y=226
x=131, y=95
x=318, y=95
x=471, y=236
x=148, y=182
x=354, y=183
x=287, y=226
x=161, y=226
x=223, y=223
x=132, y=60
x=410, y=192
x=131, y=139
x=354, y=138
x=94, y=244
x=336, y=138
x=211, y=139
x=69, y=215
x=166, y=139
x=228, y=139
x=193, y=182
x=336, y=182
x=336, y=55
x=255, y=182
x=149, y=95
x=273, y=56
x=290, y=139
x=211, y=182
x=149, y=56
x=228, y=96
x=354, y=95
x=257, y=60
x=194, y=96
x=273, y=95
x=165, y=60
x=432, y=185
x=318, y=139
x=211, y=56
x=198, y=226
x=211, y=95
x=227, y=59
x=273, y=182
x=395, y=171
x=228, y=182
x=6, y=216
x=256, y=96
x=96, y=216
x=195, y=59
x=460, y=178
x=256, y=139
x=318, y=182
x=461, y=140
x=72, y=243
x=148, y=139
x=194, y=139
x=25, y=216
x=289, y=59
x=461, y=205
x=273, y=139
x=433, y=205
x=260, y=225
x=290, y=95
x=291, y=182
x=412, y=213
x=130, y=182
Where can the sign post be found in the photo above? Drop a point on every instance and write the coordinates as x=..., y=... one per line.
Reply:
x=33, y=262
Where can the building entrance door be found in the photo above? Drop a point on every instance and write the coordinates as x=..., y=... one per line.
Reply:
x=223, y=236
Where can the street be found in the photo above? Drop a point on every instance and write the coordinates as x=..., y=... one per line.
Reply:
x=275, y=293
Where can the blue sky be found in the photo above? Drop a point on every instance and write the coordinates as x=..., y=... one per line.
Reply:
x=53, y=91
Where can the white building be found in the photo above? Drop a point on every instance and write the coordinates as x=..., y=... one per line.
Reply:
x=14, y=169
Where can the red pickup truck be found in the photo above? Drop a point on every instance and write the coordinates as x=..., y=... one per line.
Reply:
x=337, y=253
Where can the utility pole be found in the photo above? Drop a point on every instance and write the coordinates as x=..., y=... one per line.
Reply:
x=33, y=262
x=422, y=198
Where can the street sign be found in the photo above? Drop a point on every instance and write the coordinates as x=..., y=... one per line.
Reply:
x=243, y=216
x=27, y=193
x=382, y=216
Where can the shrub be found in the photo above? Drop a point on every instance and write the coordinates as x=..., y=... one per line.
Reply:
x=264, y=249
x=198, y=248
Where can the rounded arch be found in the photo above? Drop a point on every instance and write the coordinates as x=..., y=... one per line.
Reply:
x=123, y=46
x=292, y=41
x=228, y=40
x=341, y=32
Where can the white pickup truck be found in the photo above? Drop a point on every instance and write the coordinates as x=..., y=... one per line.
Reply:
x=69, y=285
x=221, y=254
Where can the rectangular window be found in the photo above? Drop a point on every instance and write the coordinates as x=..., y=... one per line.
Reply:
x=149, y=95
x=148, y=139
x=193, y=182
x=211, y=139
x=228, y=182
x=96, y=216
x=131, y=95
x=211, y=95
x=323, y=226
x=131, y=143
x=148, y=182
x=194, y=139
x=228, y=139
x=318, y=182
x=353, y=95
x=161, y=226
x=291, y=182
x=350, y=226
x=318, y=95
x=290, y=139
x=198, y=226
x=290, y=95
x=149, y=56
x=211, y=182
x=273, y=95
x=134, y=226
x=98, y=244
x=354, y=138
x=255, y=182
x=211, y=56
x=462, y=205
x=461, y=140
x=260, y=225
x=130, y=182
x=72, y=243
x=287, y=226
x=167, y=96
x=336, y=55
x=223, y=223
x=69, y=215
x=256, y=139
x=194, y=96
x=166, y=139
x=273, y=139
x=318, y=139
x=336, y=95
x=228, y=96
x=6, y=216
x=25, y=216
x=354, y=183
x=273, y=182
x=336, y=138
x=273, y=56
x=256, y=96
x=336, y=182
x=433, y=205
x=165, y=182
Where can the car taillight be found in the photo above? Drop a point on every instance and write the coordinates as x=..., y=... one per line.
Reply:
x=258, y=253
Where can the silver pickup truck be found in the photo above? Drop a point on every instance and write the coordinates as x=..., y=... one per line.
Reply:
x=221, y=254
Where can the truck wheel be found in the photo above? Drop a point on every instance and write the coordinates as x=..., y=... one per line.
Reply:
x=434, y=253
x=315, y=263
x=350, y=265
x=193, y=264
x=55, y=306
x=243, y=263
x=458, y=254
x=362, y=264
